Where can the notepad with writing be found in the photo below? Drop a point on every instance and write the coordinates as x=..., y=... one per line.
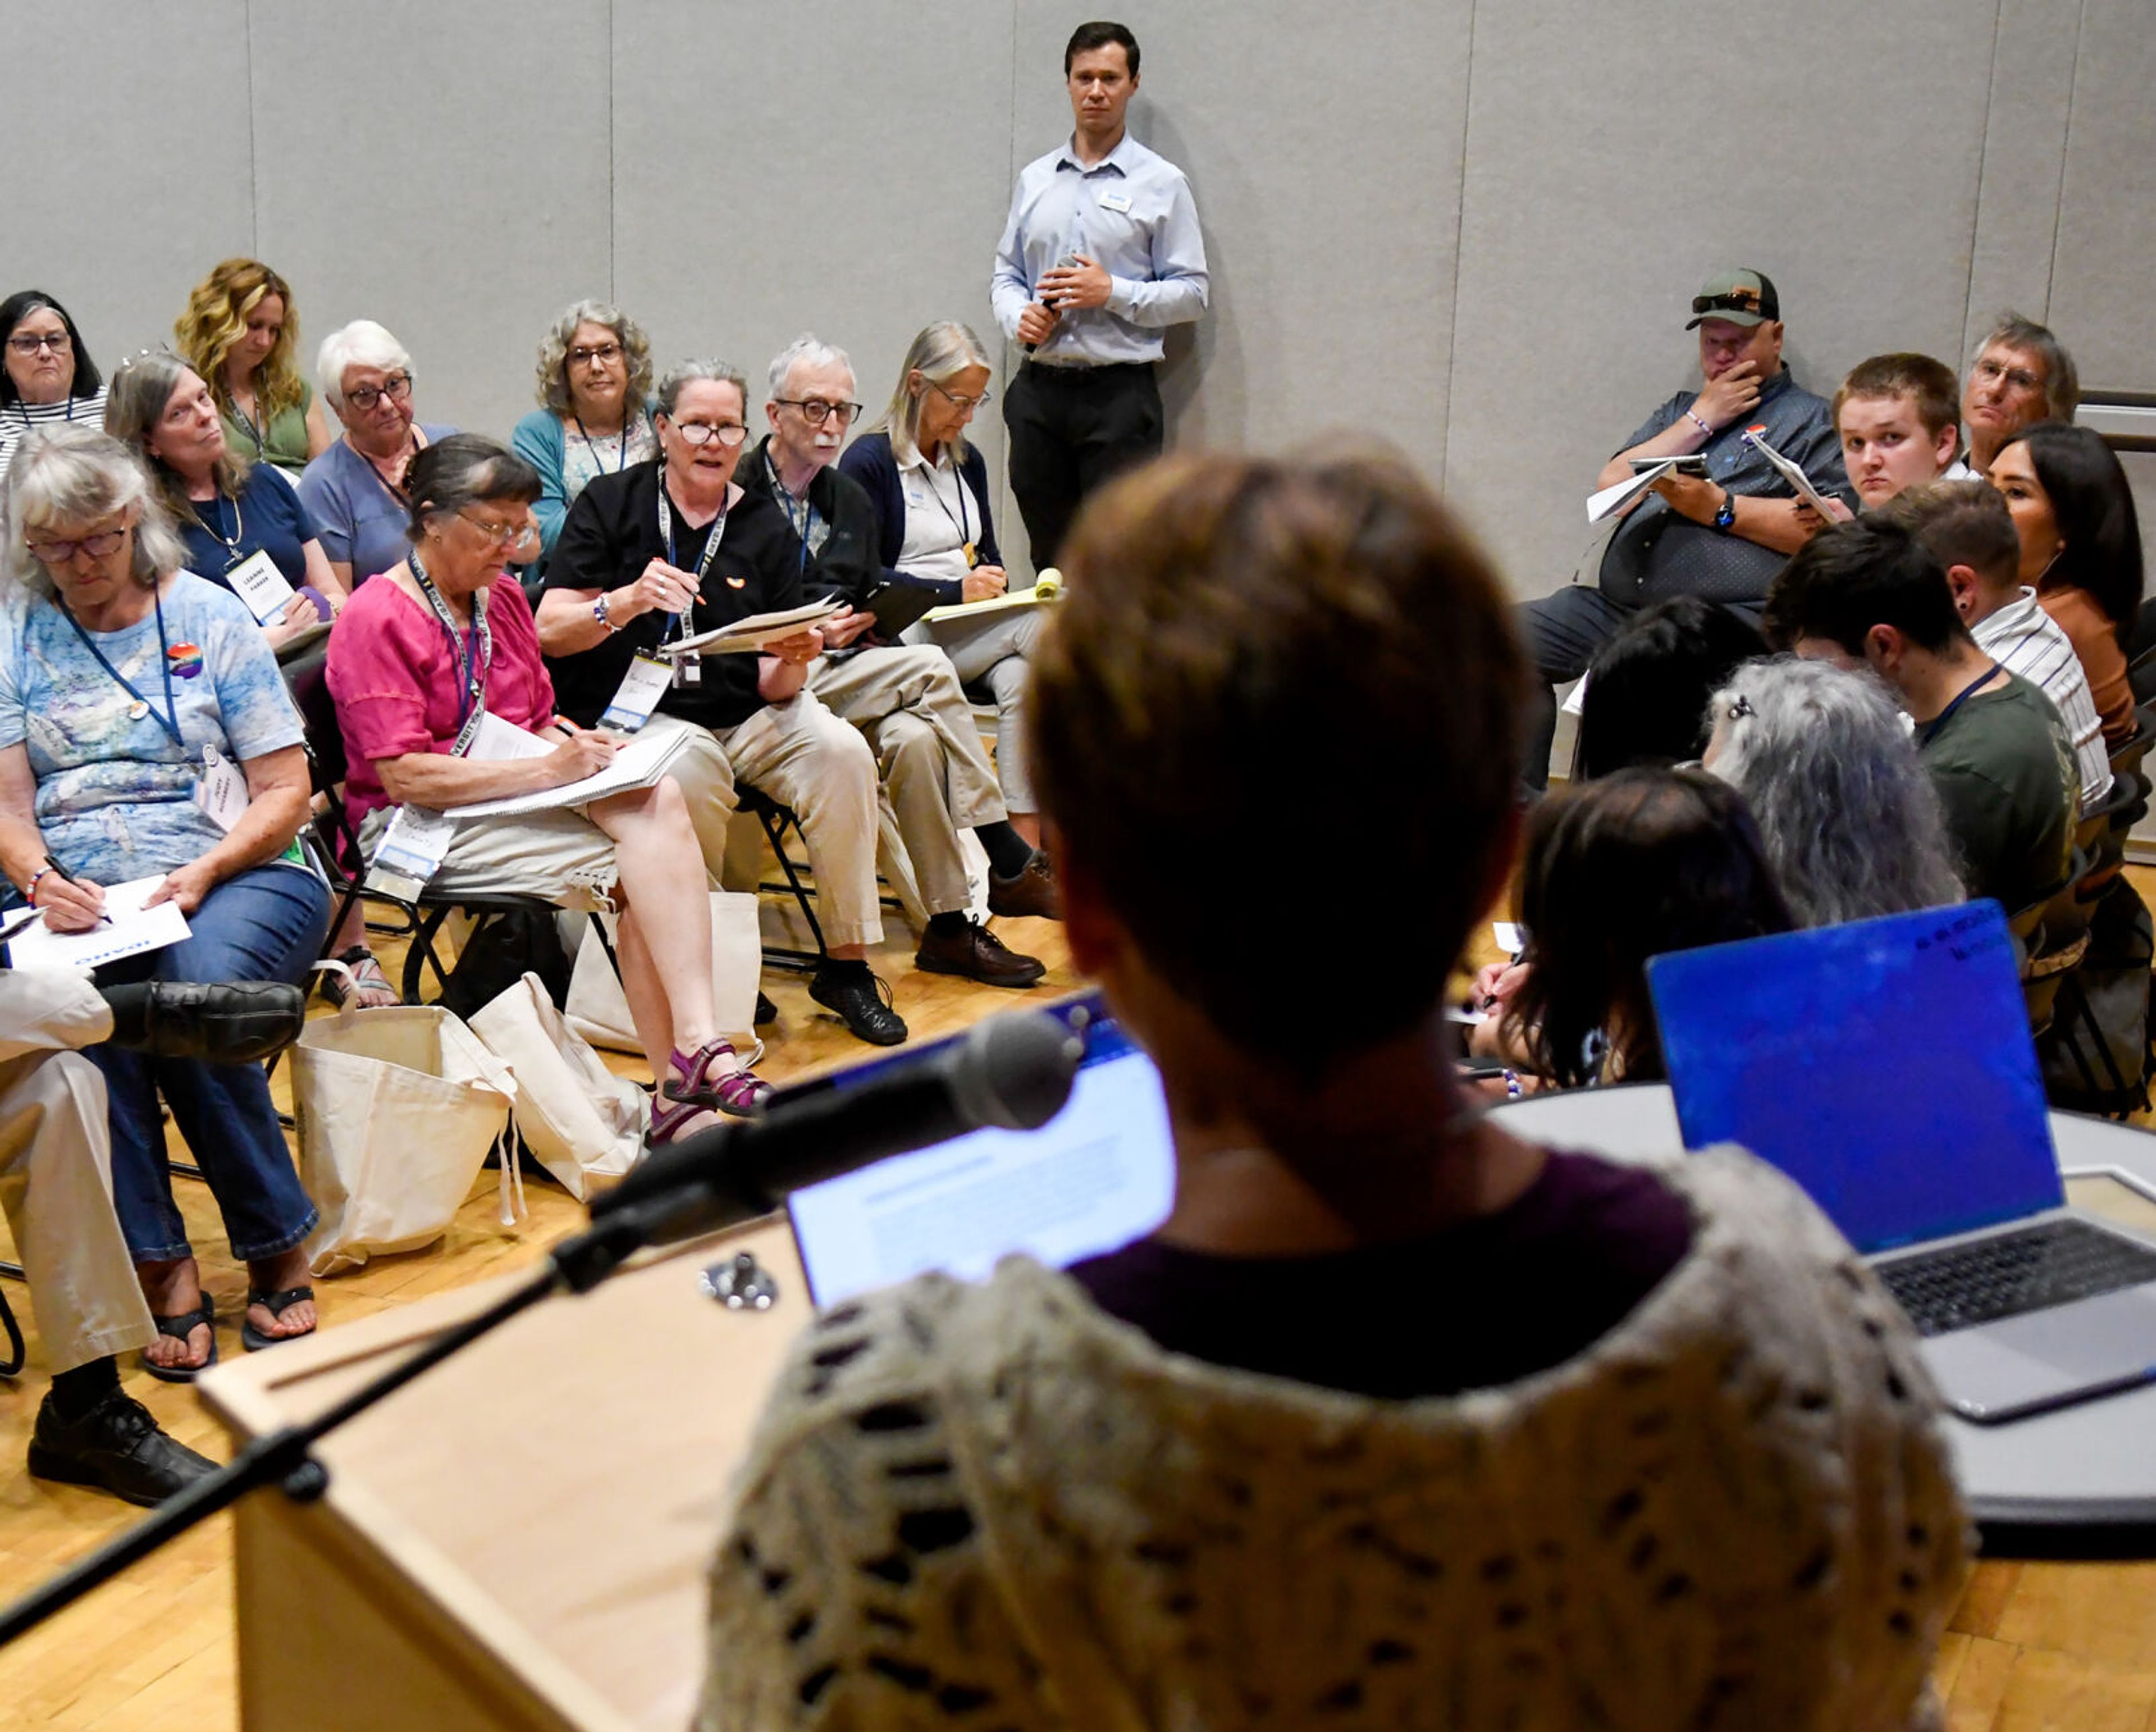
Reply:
x=130, y=930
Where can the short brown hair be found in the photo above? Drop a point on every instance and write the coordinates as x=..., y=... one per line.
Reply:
x=1248, y=646
x=1964, y=523
x=1932, y=383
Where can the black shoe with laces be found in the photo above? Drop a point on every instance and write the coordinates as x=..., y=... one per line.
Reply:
x=862, y=1000
x=118, y=1447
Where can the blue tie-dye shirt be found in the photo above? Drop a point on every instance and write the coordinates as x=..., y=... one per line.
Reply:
x=115, y=795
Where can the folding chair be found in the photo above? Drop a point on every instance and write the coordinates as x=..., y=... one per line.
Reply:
x=777, y=820
x=11, y=1366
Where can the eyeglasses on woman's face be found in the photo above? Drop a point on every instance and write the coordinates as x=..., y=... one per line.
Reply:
x=599, y=354
x=702, y=433
x=396, y=388
x=99, y=545
x=512, y=535
x=964, y=405
x=27, y=343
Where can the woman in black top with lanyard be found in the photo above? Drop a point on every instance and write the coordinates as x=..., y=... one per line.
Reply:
x=675, y=548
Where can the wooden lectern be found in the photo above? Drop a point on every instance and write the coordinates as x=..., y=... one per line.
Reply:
x=518, y=1540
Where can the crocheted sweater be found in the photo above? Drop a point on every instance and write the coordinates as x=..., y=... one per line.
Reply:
x=995, y=1506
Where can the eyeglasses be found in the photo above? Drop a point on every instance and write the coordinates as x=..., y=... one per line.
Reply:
x=598, y=351
x=1736, y=301
x=504, y=535
x=702, y=433
x=2019, y=377
x=96, y=546
x=815, y=411
x=957, y=402
x=1740, y=709
x=396, y=388
x=58, y=342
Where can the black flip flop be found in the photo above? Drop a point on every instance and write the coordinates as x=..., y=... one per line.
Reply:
x=279, y=1303
x=179, y=1329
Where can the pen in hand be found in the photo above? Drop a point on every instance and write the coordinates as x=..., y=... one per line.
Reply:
x=62, y=872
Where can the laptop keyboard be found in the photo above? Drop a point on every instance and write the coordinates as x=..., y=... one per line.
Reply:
x=2052, y=1263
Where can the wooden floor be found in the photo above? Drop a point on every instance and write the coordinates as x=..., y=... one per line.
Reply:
x=2032, y=1647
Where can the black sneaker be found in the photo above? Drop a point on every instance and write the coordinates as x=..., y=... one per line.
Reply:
x=863, y=1001
x=118, y=1447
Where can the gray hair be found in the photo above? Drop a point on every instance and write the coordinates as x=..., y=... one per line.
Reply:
x=687, y=373
x=361, y=344
x=807, y=348
x=134, y=404
x=77, y=475
x=2062, y=379
x=553, y=369
x=942, y=350
x=1823, y=756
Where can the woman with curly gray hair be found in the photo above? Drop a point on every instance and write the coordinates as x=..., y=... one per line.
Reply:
x=594, y=388
x=1824, y=759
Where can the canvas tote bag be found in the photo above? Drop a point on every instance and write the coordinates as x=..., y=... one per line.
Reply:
x=580, y=1122
x=397, y=1110
x=597, y=1011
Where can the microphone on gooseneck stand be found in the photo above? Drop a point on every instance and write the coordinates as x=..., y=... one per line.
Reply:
x=1012, y=1072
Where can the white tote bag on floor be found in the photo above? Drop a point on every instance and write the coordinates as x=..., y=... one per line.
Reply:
x=580, y=1122
x=397, y=1109
x=598, y=1012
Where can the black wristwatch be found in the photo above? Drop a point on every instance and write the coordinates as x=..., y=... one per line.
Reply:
x=1725, y=518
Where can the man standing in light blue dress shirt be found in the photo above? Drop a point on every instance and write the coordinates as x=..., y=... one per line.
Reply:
x=1101, y=251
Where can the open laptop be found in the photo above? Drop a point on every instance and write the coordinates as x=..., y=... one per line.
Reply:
x=1099, y=1174
x=1886, y=1067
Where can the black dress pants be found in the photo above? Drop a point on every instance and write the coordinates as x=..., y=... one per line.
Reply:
x=1071, y=428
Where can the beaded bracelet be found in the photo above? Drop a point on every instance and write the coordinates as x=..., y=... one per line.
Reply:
x=1699, y=423
x=30, y=890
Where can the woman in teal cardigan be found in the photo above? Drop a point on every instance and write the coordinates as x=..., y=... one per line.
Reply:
x=594, y=386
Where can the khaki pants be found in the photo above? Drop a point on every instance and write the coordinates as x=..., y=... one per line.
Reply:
x=907, y=703
x=801, y=755
x=993, y=651
x=56, y=1170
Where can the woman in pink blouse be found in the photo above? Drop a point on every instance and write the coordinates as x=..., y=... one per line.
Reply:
x=425, y=664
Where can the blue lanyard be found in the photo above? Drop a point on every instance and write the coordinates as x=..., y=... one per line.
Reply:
x=1932, y=728
x=683, y=621
x=170, y=721
x=599, y=462
x=474, y=655
x=807, y=526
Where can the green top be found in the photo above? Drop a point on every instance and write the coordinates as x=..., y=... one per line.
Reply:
x=2004, y=767
x=283, y=442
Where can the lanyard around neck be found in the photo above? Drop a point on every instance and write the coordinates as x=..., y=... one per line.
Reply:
x=475, y=661
x=681, y=621
x=805, y=526
x=957, y=522
x=169, y=720
x=599, y=462
x=1932, y=727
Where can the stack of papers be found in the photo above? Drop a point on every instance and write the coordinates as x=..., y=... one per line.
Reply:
x=638, y=764
x=130, y=930
x=1032, y=598
x=1614, y=499
x=744, y=637
x=1791, y=472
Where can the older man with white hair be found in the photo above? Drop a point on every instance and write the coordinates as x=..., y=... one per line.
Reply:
x=904, y=698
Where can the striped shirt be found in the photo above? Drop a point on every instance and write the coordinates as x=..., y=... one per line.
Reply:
x=2024, y=639
x=19, y=420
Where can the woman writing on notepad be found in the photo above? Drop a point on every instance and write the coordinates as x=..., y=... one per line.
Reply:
x=444, y=703
x=930, y=489
x=145, y=735
x=674, y=548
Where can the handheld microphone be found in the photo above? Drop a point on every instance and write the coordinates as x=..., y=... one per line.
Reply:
x=1013, y=1072
x=1064, y=262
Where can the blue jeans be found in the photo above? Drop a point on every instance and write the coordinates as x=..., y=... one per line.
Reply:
x=267, y=924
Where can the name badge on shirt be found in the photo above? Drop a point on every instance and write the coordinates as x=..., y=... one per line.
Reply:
x=641, y=688
x=256, y=581
x=221, y=790
x=1119, y=201
x=411, y=852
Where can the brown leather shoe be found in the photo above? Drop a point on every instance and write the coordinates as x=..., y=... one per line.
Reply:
x=977, y=954
x=1031, y=892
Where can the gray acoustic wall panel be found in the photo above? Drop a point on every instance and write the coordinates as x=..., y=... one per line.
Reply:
x=2106, y=262
x=825, y=165
x=2025, y=155
x=1324, y=150
x=1613, y=160
x=442, y=169
x=118, y=203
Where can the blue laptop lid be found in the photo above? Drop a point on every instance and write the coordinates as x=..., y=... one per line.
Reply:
x=1885, y=1066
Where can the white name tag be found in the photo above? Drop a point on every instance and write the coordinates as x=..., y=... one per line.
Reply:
x=222, y=790
x=1116, y=201
x=642, y=686
x=256, y=581
x=411, y=851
